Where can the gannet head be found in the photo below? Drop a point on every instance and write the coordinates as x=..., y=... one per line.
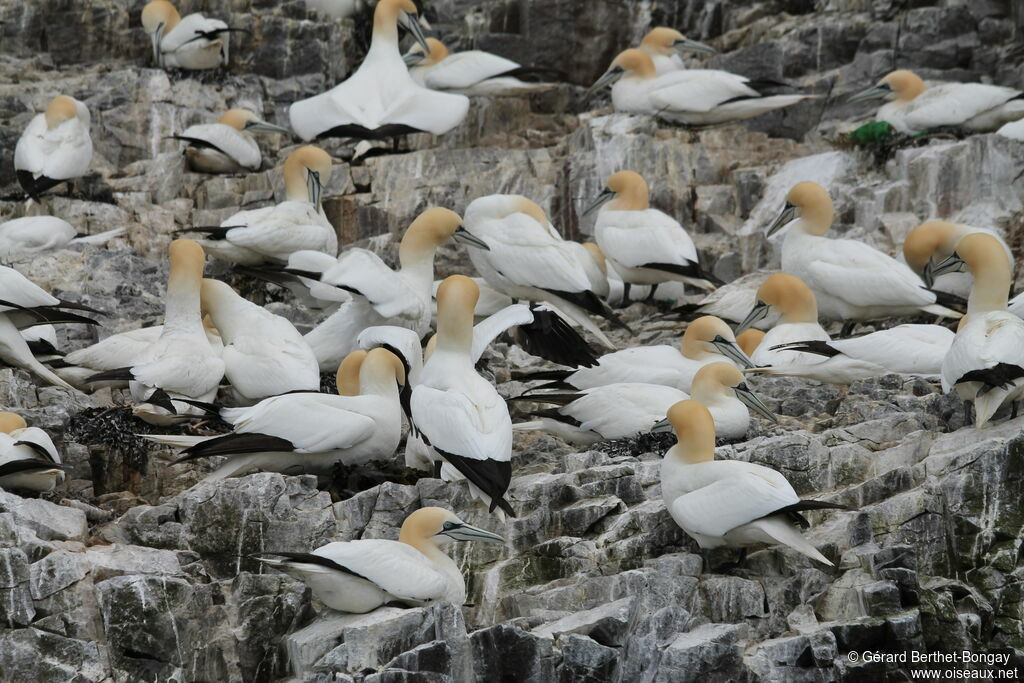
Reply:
x=809, y=202
x=63, y=108
x=417, y=57
x=629, y=191
x=158, y=18
x=598, y=256
x=215, y=296
x=306, y=171
x=186, y=259
x=749, y=340
x=929, y=243
x=392, y=13
x=380, y=368
x=243, y=119
x=695, y=432
x=787, y=294
x=434, y=227
x=439, y=527
x=902, y=86
x=634, y=62
x=530, y=208
x=348, y=373
x=456, y=300
x=709, y=335
x=986, y=259
x=716, y=380
x=10, y=422
x=663, y=40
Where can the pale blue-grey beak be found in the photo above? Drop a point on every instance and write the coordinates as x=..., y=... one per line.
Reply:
x=758, y=312
x=873, y=93
x=466, y=237
x=687, y=45
x=789, y=213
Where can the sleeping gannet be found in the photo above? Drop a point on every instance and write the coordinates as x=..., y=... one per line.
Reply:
x=308, y=432
x=473, y=72
x=33, y=234
x=528, y=259
x=934, y=241
x=851, y=281
x=798, y=321
x=191, y=43
x=694, y=97
x=729, y=502
x=665, y=46
x=380, y=99
x=750, y=340
x=28, y=458
x=55, y=146
x=913, y=108
x=226, y=146
x=646, y=246
x=360, y=576
x=264, y=355
x=273, y=233
x=458, y=414
x=706, y=340
x=985, y=362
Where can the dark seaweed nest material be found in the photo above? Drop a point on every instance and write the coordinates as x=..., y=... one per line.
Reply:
x=348, y=480
x=634, y=446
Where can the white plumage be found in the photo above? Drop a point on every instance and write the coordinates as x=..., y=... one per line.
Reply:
x=55, y=146
x=34, y=234
x=194, y=42
x=28, y=457
x=473, y=72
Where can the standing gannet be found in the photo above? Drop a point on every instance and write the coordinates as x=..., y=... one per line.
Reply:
x=934, y=241
x=696, y=97
x=706, y=340
x=645, y=246
x=985, y=362
x=458, y=414
x=28, y=458
x=55, y=146
x=380, y=99
x=309, y=432
x=729, y=502
x=528, y=259
x=360, y=576
x=665, y=46
x=226, y=146
x=192, y=43
x=33, y=234
x=473, y=72
x=798, y=321
x=273, y=233
x=264, y=355
x=913, y=108
x=851, y=281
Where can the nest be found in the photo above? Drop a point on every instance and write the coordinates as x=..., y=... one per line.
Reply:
x=882, y=141
x=346, y=481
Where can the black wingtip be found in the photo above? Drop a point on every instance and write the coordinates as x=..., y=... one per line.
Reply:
x=118, y=375
x=160, y=398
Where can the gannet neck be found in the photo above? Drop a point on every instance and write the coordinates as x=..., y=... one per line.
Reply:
x=598, y=256
x=60, y=109
x=932, y=239
x=695, y=433
x=224, y=305
x=438, y=51
x=456, y=301
x=906, y=84
x=10, y=422
x=421, y=529
x=297, y=169
x=990, y=267
x=749, y=340
x=419, y=244
x=348, y=373
x=631, y=193
x=182, y=305
x=381, y=373
x=638, y=63
x=791, y=297
x=385, y=24
x=531, y=209
x=815, y=207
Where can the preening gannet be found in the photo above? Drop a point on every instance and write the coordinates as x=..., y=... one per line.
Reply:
x=28, y=458
x=33, y=234
x=540, y=329
x=226, y=146
x=646, y=246
x=798, y=321
x=191, y=43
x=934, y=241
x=380, y=99
x=273, y=233
x=308, y=431
x=473, y=72
x=729, y=502
x=360, y=576
x=706, y=340
x=458, y=414
x=665, y=46
x=851, y=281
x=730, y=302
x=696, y=97
x=749, y=340
x=55, y=146
x=528, y=259
x=347, y=378
x=985, y=362
x=264, y=355
x=913, y=108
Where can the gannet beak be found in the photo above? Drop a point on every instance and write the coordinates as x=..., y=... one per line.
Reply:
x=789, y=213
x=466, y=237
x=661, y=427
x=873, y=93
x=412, y=59
x=694, y=46
x=758, y=312
x=732, y=351
x=609, y=77
x=156, y=37
x=953, y=264
x=313, y=187
x=264, y=127
x=606, y=196
x=413, y=24
x=465, y=532
x=929, y=275
x=752, y=401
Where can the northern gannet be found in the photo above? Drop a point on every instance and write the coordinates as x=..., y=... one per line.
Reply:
x=273, y=233
x=226, y=146
x=696, y=97
x=706, y=340
x=934, y=241
x=913, y=108
x=28, y=304
x=28, y=458
x=597, y=270
x=473, y=72
x=360, y=576
x=985, y=362
x=729, y=502
x=731, y=302
x=347, y=378
x=264, y=355
x=528, y=259
x=55, y=146
x=665, y=46
x=645, y=246
x=33, y=234
x=458, y=414
x=191, y=43
x=42, y=340
x=380, y=99
x=750, y=340
x=851, y=281
x=798, y=321
x=309, y=432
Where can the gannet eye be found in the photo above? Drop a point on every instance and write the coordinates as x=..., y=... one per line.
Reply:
x=448, y=526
